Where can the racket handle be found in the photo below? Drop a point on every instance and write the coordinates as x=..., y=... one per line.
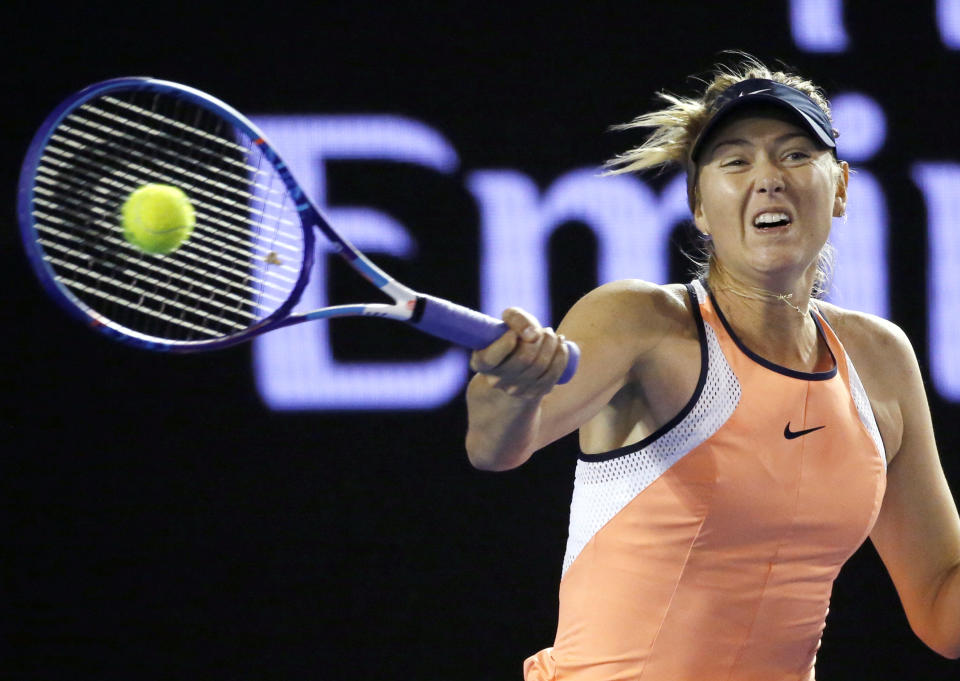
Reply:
x=472, y=329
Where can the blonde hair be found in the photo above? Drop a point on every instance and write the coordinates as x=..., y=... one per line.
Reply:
x=676, y=128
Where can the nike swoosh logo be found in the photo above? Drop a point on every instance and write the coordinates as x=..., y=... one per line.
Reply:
x=790, y=434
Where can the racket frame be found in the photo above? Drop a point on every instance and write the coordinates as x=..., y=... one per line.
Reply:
x=310, y=216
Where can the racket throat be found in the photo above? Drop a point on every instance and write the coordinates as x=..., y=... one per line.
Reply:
x=419, y=306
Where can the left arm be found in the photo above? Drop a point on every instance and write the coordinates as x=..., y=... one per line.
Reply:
x=917, y=533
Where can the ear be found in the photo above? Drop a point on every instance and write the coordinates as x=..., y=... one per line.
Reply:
x=840, y=199
x=700, y=219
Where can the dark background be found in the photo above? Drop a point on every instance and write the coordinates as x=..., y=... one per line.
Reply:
x=160, y=523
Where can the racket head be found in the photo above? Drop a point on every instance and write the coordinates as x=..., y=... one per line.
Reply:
x=242, y=270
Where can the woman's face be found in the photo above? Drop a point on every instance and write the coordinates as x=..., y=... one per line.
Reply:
x=767, y=193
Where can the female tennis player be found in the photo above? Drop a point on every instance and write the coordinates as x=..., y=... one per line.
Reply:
x=741, y=438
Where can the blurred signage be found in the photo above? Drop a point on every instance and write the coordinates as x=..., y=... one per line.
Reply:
x=296, y=369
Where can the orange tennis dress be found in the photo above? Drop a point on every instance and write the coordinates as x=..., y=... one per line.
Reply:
x=707, y=551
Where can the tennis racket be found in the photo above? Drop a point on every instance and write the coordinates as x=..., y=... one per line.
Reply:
x=251, y=252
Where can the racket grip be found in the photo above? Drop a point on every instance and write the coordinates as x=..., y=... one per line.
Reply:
x=472, y=329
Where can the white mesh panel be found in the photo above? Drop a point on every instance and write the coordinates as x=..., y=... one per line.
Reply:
x=864, y=410
x=603, y=488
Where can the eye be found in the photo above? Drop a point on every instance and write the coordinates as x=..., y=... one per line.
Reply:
x=733, y=163
x=797, y=156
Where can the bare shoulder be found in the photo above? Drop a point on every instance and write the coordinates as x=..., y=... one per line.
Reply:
x=871, y=341
x=631, y=310
x=637, y=340
x=887, y=366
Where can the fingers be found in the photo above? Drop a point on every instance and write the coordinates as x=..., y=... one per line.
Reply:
x=523, y=323
x=526, y=361
x=521, y=326
x=490, y=357
x=537, y=366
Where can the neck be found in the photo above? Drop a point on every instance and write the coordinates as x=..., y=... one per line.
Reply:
x=795, y=297
x=774, y=323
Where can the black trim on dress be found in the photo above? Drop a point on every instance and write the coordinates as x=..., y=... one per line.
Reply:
x=802, y=375
x=672, y=423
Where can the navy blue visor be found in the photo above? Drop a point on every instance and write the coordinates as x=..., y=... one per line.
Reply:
x=762, y=91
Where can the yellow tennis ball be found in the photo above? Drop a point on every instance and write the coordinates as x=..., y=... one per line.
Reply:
x=157, y=218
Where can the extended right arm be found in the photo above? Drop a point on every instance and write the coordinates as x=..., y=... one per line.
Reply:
x=513, y=403
x=505, y=399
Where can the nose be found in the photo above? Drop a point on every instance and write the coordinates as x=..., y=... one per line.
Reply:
x=769, y=179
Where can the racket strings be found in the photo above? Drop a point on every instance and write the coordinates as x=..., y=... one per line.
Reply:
x=229, y=239
x=176, y=279
x=217, y=203
x=243, y=259
x=201, y=172
x=242, y=167
x=205, y=265
x=172, y=289
x=130, y=288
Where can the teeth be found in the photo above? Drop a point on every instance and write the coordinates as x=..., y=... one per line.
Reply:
x=769, y=218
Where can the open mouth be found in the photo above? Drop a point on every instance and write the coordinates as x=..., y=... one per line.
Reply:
x=771, y=220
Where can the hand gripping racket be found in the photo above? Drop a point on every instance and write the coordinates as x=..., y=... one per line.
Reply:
x=250, y=255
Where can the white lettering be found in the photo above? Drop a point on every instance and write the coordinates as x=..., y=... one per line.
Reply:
x=294, y=367
x=860, y=274
x=631, y=224
x=948, y=21
x=817, y=25
x=940, y=184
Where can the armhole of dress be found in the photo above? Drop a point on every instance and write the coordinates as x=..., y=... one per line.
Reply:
x=694, y=296
x=859, y=395
x=864, y=409
x=605, y=483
